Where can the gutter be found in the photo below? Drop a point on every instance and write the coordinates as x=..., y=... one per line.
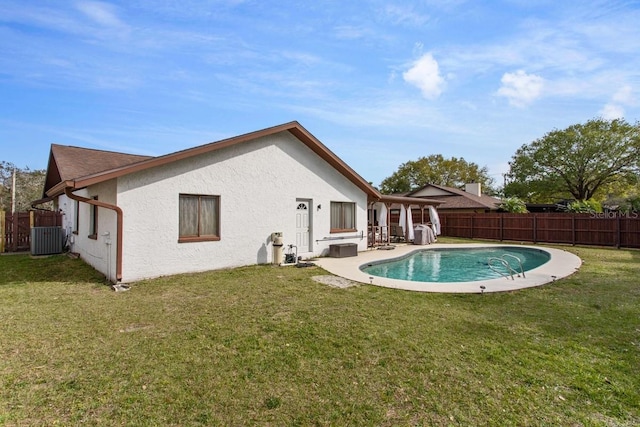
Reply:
x=35, y=203
x=119, y=214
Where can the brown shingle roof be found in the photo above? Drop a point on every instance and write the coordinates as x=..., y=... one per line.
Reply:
x=460, y=199
x=462, y=202
x=69, y=163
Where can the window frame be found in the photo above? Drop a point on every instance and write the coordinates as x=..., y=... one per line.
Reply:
x=76, y=217
x=342, y=222
x=93, y=220
x=200, y=237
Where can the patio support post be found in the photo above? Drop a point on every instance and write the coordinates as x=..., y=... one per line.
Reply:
x=388, y=205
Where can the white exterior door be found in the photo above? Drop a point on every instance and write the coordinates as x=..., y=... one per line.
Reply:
x=302, y=225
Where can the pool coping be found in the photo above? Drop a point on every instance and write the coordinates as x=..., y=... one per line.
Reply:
x=561, y=264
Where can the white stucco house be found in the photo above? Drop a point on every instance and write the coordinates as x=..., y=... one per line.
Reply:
x=209, y=207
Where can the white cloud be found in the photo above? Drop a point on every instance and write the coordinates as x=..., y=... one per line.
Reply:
x=615, y=109
x=403, y=15
x=521, y=88
x=624, y=95
x=101, y=13
x=612, y=111
x=425, y=75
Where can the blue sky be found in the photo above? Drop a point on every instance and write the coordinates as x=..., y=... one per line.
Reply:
x=379, y=82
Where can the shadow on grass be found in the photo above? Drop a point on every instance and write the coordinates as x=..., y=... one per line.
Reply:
x=24, y=268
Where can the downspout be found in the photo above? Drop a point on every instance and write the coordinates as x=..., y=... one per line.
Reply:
x=119, y=215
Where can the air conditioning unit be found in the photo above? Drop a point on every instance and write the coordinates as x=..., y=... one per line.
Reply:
x=46, y=240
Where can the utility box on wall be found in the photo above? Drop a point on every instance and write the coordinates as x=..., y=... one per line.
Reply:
x=343, y=250
x=46, y=240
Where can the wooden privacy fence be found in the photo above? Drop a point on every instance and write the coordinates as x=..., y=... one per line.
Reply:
x=16, y=228
x=602, y=229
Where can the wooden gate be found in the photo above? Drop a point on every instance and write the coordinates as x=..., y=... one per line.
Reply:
x=16, y=228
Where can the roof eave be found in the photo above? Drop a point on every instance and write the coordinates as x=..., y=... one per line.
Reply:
x=41, y=201
x=58, y=189
x=293, y=127
x=405, y=200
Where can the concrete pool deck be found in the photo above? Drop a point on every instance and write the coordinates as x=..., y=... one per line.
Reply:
x=561, y=264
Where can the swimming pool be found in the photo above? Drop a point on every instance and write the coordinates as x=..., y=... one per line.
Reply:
x=561, y=264
x=459, y=264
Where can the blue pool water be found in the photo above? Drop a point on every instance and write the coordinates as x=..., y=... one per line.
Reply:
x=456, y=264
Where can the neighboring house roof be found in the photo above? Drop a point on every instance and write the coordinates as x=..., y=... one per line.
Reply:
x=454, y=198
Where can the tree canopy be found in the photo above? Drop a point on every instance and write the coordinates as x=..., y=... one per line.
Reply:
x=435, y=169
x=578, y=162
x=29, y=184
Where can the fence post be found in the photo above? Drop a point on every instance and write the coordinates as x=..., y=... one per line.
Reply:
x=501, y=227
x=618, y=232
x=573, y=229
x=535, y=228
x=3, y=231
x=14, y=232
x=472, y=215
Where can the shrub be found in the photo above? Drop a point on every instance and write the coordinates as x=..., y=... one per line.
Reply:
x=513, y=205
x=584, y=206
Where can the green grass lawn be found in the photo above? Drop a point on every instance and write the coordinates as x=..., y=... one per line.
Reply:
x=265, y=345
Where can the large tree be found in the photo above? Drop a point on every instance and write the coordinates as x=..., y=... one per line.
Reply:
x=28, y=186
x=577, y=162
x=435, y=169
